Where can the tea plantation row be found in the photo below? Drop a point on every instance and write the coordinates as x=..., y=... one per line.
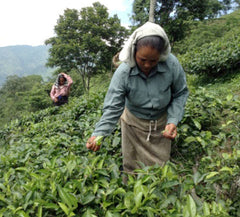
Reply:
x=46, y=171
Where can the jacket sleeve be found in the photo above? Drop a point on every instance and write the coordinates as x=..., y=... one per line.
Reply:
x=113, y=104
x=179, y=95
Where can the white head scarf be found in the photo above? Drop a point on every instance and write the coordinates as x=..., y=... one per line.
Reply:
x=148, y=29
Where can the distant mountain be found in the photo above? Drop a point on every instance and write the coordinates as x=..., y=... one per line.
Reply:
x=23, y=60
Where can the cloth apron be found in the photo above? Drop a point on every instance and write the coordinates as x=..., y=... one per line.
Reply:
x=142, y=142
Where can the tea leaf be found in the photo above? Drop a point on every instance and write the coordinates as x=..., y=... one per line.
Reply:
x=211, y=174
x=191, y=206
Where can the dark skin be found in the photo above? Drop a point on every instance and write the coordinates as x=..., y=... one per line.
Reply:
x=146, y=58
x=91, y=144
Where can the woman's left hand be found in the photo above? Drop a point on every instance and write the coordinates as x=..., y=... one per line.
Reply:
x=170, y=131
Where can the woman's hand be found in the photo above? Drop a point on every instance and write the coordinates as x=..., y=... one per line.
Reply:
x=91, y=144
x=170, y=131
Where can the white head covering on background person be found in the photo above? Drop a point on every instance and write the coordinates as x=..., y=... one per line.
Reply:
x=148, y=29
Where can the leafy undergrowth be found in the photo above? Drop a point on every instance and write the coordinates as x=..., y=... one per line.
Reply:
x=215, y=58
x=47, y=171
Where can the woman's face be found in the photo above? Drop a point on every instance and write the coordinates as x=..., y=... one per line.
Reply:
x=61, y=81
x=146, y=58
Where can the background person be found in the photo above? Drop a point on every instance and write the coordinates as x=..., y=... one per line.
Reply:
x=61, y=89
x=148, y=92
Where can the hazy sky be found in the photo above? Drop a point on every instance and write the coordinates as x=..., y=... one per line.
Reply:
x=31, y=22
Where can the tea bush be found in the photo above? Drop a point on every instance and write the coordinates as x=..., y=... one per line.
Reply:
x=216, y=58
x=46, y=169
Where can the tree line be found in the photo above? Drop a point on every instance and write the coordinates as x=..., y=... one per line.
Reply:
x=87, y=40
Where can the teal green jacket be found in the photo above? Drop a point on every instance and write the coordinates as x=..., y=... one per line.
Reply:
x=164, y=90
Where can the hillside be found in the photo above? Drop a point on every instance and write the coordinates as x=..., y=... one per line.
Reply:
x=23, y=60
x=46, y=170
x=208, y=31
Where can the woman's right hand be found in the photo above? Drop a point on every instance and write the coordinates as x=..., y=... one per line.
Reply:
x=170, y=131
x=91, y=144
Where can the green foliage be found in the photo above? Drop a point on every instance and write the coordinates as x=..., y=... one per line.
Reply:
x=46, y=169
x=86, y=41
x=215, y=58
x=207, y=31
x=21, y=95
x=176, y=16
